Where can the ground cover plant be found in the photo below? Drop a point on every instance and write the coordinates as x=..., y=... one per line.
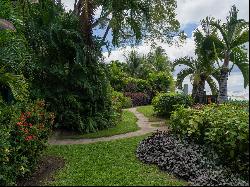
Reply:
x=186, y=160
x=109, y=164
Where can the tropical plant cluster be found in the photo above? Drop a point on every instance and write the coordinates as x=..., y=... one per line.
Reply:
x=165, y=103
x=191, y=162
x=142, y=77
x=220, y=46
x=119, y=101
x=224, y=128
x=24, y=132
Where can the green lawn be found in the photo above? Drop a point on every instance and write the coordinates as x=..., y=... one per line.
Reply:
x=107, y=164
x=127, y=124
x=148, y=111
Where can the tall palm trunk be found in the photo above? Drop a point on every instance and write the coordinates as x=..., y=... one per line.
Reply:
x=223, y=97
x=200, y=92
x=194, y=91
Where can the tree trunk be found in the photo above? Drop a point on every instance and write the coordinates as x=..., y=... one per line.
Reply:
x=194, y=91
x=222, y=97
x=200, y=92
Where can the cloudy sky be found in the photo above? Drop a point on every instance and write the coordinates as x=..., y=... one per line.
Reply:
x=189, y=13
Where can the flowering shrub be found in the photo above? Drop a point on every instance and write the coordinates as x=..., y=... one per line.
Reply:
x=24, y=130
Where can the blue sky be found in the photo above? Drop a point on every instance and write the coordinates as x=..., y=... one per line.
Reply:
x=189, y=13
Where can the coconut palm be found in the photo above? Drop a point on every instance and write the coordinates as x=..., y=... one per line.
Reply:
x=230, y=48
x=200, y=74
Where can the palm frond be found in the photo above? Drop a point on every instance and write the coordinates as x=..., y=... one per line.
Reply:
x=240, y=40
x=182, y=75
x=188, y=61
x=240, y=58
x=222, y=31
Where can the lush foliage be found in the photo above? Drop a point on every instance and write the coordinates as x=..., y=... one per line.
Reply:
x=186, y=160
x=110, y=163
x=23, y=137
x=76, y=88
x=138, y=98
x=228, y=44
x=146, y=19
x=119, y=101
x=149, y=74
x=165, y=103
x=224, y=128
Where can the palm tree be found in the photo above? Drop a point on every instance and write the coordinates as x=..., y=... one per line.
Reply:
x=229, y=47
x=159, y=60
x=134, y=64
x=199, y=75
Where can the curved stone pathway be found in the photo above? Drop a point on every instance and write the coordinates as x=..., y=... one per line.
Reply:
x=143, y=123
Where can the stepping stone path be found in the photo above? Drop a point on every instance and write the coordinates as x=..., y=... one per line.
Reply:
x=143, y=123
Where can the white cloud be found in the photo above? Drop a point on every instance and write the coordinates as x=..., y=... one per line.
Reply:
x=174, y=52
x=192, y=11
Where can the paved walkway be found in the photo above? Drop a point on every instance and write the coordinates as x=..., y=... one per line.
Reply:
x=143, y=123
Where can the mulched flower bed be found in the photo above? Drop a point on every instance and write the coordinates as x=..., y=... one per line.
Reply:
x=47, y=166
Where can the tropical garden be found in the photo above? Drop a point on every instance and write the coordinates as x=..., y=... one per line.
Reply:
x=69, y=118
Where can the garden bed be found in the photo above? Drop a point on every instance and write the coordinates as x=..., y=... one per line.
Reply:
x=47, y=166
x=185, y=160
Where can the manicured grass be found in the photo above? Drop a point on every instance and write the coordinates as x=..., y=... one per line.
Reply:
x=127, y=124
x=107, y=164
x=148, y=111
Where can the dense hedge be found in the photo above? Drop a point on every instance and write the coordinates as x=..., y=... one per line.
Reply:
x=222, y=127
x=165, y=103
x=24, y=131
x=186, y=160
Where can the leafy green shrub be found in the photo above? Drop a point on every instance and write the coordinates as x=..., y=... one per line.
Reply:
x=117, y=75
x=139, y=98
x=161, y=82
x=136, y=85
x=164, y=103
x=24, y=130
x=119, y=101
x=224, y=127
x=242, y=104
x=77, y=88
